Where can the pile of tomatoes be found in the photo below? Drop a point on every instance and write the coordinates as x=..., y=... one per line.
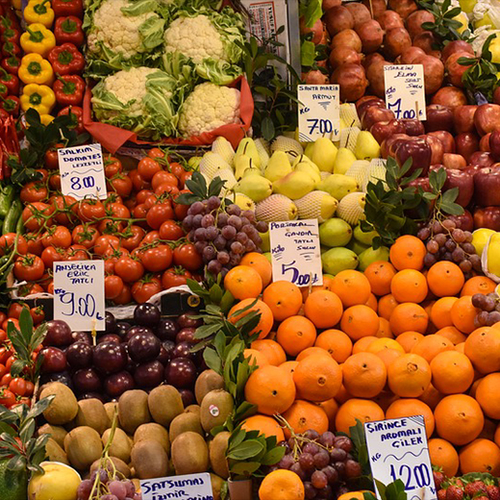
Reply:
x=136, y=230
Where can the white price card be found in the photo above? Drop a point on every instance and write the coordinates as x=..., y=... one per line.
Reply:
x=405, y=91
x=398, y=449
x=319, y=112
x=187, y=487
x=82, y=172
x=79, y=294
x=296, y=252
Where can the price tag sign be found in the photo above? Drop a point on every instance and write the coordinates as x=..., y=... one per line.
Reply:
x=187, y=487
x=319, y=112
x=398, y=449
x=405, y=91
x=82, y=172
x=295, y=252
x=79, y=294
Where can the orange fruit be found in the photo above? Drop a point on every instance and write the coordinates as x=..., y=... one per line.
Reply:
x=408, y=339
x=384, y=329
x=409, y=376
x=431, y=396
x=265, y=425
x=388, y=356
x=360, y=409
x=359, y=321
x=271, y=350
x=296, y=334
x=386, y=306
x=327, y=284
x=431, y=345
x=260, y=263
x=255, y=357
x=441, y=312
x=352, y=287
x=460, y=347
x=410, y=408
x=282, y=484
x=317, y=378
x=312, y=351
x=408, y=316
x=385, y=399
x=303, y=416
x=243, y=282
x=443, y=455
x=323, y=308
x=409, y=285
x=478, y=284
x=459, y=419
x=407, y=252
x=372, y=302
x=380, y=275
x=482, y=455
x=362, y=344
x=497, y=435
x=266, y=316
x=384, y=344
x=487, y=395
x=336, y=343
x=482, y=347
x=452, y=372
x=453, y=334
x=283, y=298
x=269, y=390
x=342, y=395
x=330, y=407
x=445, y=278
x=289, y=366
x=463, y=314
x=364, y=375
x=353, y=495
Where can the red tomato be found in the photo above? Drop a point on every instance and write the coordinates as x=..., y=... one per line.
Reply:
x=77, y=252
x=151, y=237
x=157, y=154
x=105, y=243
x=113, y=286
x=4, y=352
x=7, y=243
x=137, y=181
x=37, y=314
x=112, y=166
x=30, y=289
x=18, y=386
x=121, y=184
x=15, y=309
x=143, y=195
x=147, y=168
x=3, y=371
x=57, y=236
x=140, y=211
x=3, y=317
x=158, y=214
x=34, y=243
x=33, y=191
x=177, y=169
x=175, y=276
x=7, y=398
x=185, y=177
x=180, y=211
x=36, y=215
x=171, y=231
x=10, y=362
x=129, y=269
x=51, y=159
x=90, y=210
x=65, y=208
x=137, y=233
x=30, y=387
x=6, y=378
x=164, y=177
x=187, y=257
x=3, y=336
x=14, y=321
x=125, y=296
x=151, y=201
x=51, y=255
x=29, y=267
x=143, y=290
x=166, y=189
x=85, y=235
x=157, y=258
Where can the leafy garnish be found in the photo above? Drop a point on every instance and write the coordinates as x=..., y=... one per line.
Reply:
x=199, y=189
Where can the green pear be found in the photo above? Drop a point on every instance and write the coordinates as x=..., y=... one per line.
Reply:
x=370, y=255
x=278, y=166
x=241, y=163
x=339, y=259
x=367, y=148
x=265, y=246
x=344, y=159
x=364, y=237
x=294, y=185
x=306, y=159
x=309, y=149
x=335, y=233
x=338, y=185
x=256, y=187
x=310, y=169
x=247, y=147
x=324, y=154
x=268, y=256
x=357, y=247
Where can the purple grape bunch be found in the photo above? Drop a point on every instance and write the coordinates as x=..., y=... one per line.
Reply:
x=489, y=306
x=101, y=487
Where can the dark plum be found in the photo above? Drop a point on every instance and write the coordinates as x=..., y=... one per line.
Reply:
x=169, y=346
x=93, y=395
x=149, y=374
x=187, y=397
x=181, y=373
x=110, y=357
x=164, y=357
x=134, y=330
x=82, y=337
x=186, y=320
x=87, y=380
x=144, y=347
x=167, y=329
x=109, y=337
x=110, y=322
x=186, y=335
x=54, y=360
x=58, y=333
x=79, y=355
x=115, y=385
x=147, y=315
x=121, y=328
x=183, y=350
x=63, y=377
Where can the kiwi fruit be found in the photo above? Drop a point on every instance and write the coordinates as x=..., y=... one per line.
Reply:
x=152, y=432
x=165, y=403
x=63, y=408
x=55, y=453
x=183, y=423
x=133, y=410
x=57, y=433
x=216, y=406
x=207, y=381
x=110, y=410
x=193, y=409
x=83, y=446
x=189, y=454
x=120, y=466
x=120, y=447
x=217, y=483
x=217, y=454
x=149, y=460
x=91, y=412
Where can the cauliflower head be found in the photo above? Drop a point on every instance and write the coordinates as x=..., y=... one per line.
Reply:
x=208, y=107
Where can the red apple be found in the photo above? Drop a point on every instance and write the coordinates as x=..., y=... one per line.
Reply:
x=387, y=145
x=484, y=142
x=449, y=96
x=413, y=127
x=488, y=217
x=464, y=221
x=463, y=117
x=439, y=118
x=467, y=143
x=422, y=182
x=482, y=159
x=375, y=114
x=487, y=187
x=495, y=145
x=455, y=70
x=417, y=149
x=465, y=183
x=436, y=149
x=382, y=130
x=487, y=118
x=457, y=46
x=454, y=161
x=446, y=138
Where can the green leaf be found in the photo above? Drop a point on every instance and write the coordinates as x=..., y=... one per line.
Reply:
x=212, y=360
x=273, y=456
x=236, y=438
x=245, y=468
x=17, y=463
x=307, y=54
x=204, y=331
x=246, y=450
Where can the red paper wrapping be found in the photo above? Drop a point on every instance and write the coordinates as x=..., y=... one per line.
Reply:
x=112, y=138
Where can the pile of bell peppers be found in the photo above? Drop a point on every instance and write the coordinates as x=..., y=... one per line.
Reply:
x=53, y=63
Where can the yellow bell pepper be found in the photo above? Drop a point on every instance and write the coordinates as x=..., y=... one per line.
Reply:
x=38, y=39
x=46, y=119
x=35, y=69
x=39, y=11
x=39, y=97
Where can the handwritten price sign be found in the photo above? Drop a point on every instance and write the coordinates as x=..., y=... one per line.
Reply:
x=295, y=251
x=82, y=172
x=398, y=449
x=404, y=91
x=319, y=112
x=188, y=487
x=79, y=294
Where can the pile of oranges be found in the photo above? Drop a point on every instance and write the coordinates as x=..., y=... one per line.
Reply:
x=394, y=341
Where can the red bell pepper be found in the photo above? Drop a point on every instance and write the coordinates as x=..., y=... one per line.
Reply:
x=10, y=49
x=11, y=35
x=66, y=59
x=11, y=64
x=69, y=30
x=11, y=105
x=76, y=113
x=7, y=23
x=69, y=90
x=10, y=81
x=67, y=8
x=4, y=91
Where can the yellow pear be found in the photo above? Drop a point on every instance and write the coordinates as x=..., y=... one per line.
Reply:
x=310, y=169
x=324, y=154
x=367, y=148
x=344, y=159
x=278, y=166
x=247, y=147
x=241, y=164
x=294, y=185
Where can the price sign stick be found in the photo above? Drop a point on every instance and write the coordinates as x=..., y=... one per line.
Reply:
x=416, y=107
x=94, y=332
